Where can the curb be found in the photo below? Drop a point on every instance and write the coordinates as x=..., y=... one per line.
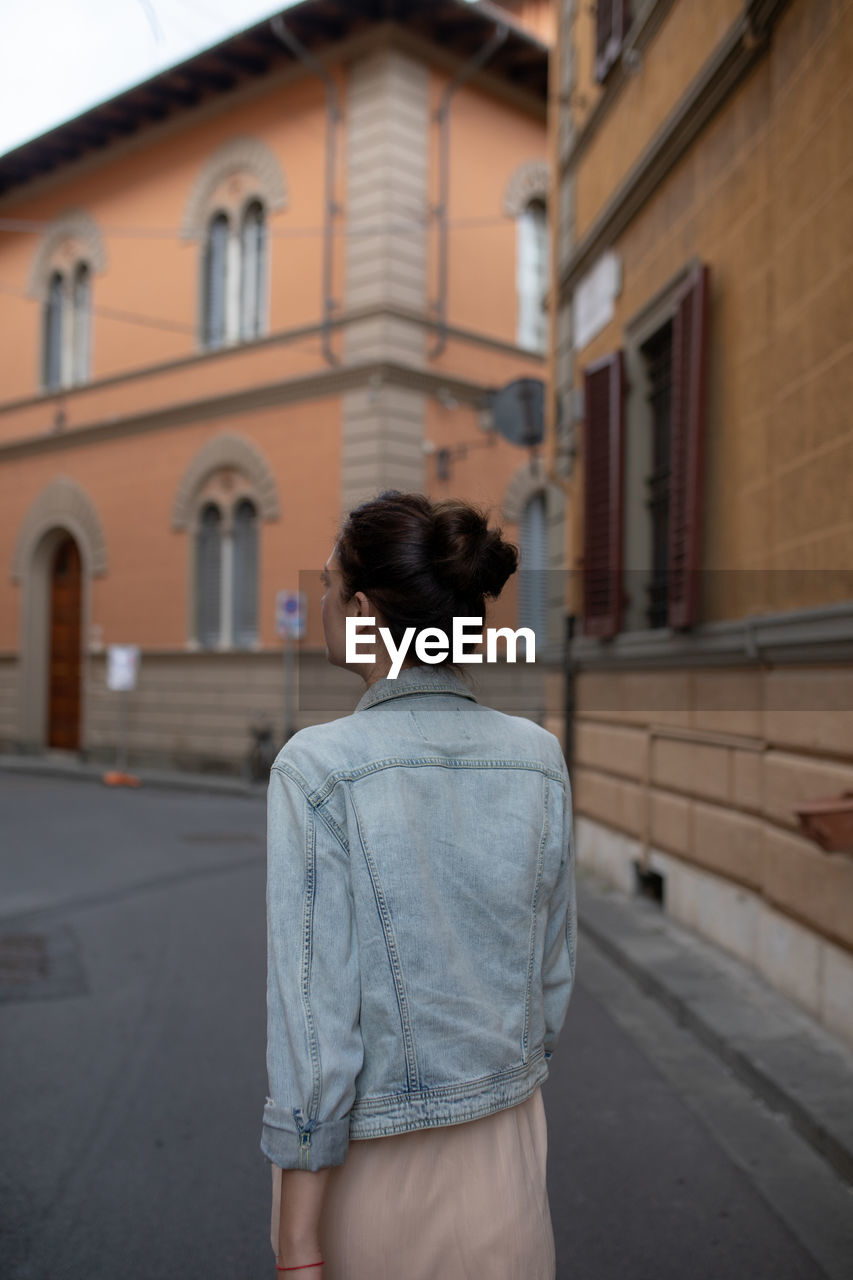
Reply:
x=166, y=779
x=793, y=1063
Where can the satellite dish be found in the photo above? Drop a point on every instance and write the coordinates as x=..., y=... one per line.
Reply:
x=518, y=410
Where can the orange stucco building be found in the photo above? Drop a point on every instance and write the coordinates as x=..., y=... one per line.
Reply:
x=237, y=300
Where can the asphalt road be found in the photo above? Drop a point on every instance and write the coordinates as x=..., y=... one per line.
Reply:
x=133, y=1074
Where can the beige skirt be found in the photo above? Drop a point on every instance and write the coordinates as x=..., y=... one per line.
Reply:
x=457, y=1202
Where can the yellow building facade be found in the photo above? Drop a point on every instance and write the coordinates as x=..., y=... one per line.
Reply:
x=701, y=429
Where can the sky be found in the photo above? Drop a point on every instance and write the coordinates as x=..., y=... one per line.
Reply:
x=59, y=57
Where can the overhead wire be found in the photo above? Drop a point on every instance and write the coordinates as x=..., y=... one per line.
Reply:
x=412, y=225
x=151, y=15
x=110, y=313
x=309, y=343
x=34, y=226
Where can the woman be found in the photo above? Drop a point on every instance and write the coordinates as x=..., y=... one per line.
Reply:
x=421, y=934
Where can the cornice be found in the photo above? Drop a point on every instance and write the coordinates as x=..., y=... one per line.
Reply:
x=823, y=634
x=273, y=82
x=327, y=382
x=407, y=41
x=282, y=338
x=335, y=55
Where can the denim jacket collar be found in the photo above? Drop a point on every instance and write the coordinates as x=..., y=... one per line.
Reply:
x=419, y=679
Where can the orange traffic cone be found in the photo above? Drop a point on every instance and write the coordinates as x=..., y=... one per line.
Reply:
x=114, y=778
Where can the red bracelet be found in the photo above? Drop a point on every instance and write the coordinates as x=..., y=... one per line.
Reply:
x=304, y=1266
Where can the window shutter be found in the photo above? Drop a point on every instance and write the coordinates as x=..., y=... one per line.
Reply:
x=252, y=271
x=603, y=481
x=209, y=578
x=612, y=19
x=689, y=396
x=244, y=595
x=532, y=276
x=53, y=332
x=534, y=562
x=621, y=19
x=603, y=28
x=215, y=266
x=81, y=322
x=540, y=272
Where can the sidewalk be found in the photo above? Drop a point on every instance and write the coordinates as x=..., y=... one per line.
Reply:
x=776, y=1049
x=64, y=764
x=797, y=1067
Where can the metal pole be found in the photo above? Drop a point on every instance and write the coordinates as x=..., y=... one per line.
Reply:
x=333, y=116
x=121, y=746
x=442, y=115
x=288, y=686
x=569, y=691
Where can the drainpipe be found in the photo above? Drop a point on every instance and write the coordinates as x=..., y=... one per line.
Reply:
x=442, y=115
x=333, y=116
x=569, y=692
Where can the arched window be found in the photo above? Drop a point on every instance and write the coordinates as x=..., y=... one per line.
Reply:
x=532, y=265
x=234, y=276
x=67, y=327
x=81, y=322
x=61, y=279
x=244, y=562
x=53, y=308
x=253, y=268
x=532, y=567
x=209, y=578
x=226, y=571
x=215, y=291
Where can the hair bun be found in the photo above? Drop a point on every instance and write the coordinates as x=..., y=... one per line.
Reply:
x=472, y=559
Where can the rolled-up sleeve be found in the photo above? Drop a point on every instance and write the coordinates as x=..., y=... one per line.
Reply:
x=314, y=1045
x=558, y=963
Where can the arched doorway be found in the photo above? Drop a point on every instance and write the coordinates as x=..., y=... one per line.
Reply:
x=65, y=585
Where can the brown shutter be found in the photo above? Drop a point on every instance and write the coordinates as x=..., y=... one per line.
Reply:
x=621, y=18
x=244, y=595
x=209, y=577
x=612, y=19
x=603, y=28
x=689, y=396
x=603, y=452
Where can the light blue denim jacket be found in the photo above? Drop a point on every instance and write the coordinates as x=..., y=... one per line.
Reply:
x=421, y=917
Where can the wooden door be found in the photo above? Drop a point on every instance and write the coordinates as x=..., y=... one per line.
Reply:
x=64, y=675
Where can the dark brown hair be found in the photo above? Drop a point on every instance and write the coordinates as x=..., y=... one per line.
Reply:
x=423, y=562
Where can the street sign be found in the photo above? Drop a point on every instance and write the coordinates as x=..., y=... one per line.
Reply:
x=291, y=608
x=518, y=411
x=122, y=666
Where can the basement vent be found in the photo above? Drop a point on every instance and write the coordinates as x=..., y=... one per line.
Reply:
x=649, y=884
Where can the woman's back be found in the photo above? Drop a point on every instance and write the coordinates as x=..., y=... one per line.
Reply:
x=442, y=903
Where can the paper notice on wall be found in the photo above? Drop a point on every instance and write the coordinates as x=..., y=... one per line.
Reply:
x=122, y=666
x=594, y=298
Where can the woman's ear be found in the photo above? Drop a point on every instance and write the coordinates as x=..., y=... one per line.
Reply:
x=365, y=608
